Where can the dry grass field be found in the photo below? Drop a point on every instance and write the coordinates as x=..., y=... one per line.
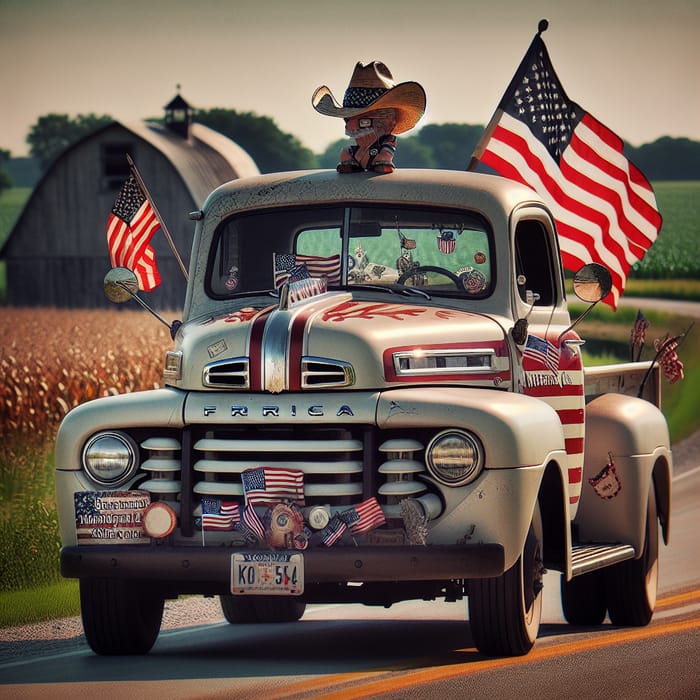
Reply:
x=52, y=360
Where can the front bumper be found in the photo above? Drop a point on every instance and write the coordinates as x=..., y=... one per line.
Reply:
x=206, y=570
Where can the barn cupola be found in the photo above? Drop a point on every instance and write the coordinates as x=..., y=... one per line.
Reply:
x=178, y=116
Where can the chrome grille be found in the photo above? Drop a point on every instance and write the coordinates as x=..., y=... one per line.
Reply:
x=341, y=466
x=163, y=466
x=332, y=467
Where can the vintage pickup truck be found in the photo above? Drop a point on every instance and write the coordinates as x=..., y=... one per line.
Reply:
x=376, y=394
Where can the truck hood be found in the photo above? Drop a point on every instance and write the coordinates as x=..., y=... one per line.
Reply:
x=336, y=341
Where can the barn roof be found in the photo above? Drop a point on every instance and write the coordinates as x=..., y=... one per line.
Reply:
x=205, y=160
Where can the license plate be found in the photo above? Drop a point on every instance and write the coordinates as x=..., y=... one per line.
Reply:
x=267, y=573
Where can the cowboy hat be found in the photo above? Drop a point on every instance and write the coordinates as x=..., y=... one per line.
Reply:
x=372, y=87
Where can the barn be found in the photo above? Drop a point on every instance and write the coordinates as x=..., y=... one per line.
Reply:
x=56, y=255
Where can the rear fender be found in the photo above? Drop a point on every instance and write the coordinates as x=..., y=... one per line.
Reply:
x=627, y=445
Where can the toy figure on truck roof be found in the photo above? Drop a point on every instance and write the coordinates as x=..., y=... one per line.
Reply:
x=374, y=109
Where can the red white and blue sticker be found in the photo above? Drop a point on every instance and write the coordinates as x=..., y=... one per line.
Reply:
x=473, y=280
x=111, y=517
x=606, y=483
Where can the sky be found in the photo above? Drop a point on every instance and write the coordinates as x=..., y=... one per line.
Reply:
x=632, y=64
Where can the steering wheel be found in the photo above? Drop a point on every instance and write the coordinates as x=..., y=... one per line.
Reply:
x=431, y=268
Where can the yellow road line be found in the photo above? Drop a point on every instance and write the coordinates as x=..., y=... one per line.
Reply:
x=392, y=681
x=676, y=599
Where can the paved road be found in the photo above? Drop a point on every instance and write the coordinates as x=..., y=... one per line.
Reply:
x=675, y=306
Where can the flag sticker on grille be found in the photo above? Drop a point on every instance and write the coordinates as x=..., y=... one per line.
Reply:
x=267, y=485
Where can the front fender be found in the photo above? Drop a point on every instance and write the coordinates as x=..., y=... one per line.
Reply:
x=515, y=430
x=159, y=407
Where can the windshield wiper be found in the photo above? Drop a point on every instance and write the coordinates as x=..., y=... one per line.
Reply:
x=371, y=288
x=408, y=291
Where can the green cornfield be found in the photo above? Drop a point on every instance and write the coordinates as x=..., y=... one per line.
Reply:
x=674, y=255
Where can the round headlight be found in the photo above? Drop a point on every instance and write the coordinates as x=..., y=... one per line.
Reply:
x=455, y=457
x=109, y=458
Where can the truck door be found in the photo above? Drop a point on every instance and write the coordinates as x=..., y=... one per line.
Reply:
x=551, y=369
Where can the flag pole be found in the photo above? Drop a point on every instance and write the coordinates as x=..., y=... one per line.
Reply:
x=485, y=138
x=488, y=132
x=164, y=228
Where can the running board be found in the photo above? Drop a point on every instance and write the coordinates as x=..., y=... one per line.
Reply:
x=589, y=557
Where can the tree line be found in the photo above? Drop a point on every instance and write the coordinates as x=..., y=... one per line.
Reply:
x=443, y=146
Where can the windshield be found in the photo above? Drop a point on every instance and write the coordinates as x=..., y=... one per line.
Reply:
x=439, y=251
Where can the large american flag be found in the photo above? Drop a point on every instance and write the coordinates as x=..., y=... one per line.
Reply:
x=130, y=227
x=290, y=264
x=605, y=209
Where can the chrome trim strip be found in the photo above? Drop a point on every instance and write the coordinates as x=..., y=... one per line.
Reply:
x=462, y=369
x=275, y=343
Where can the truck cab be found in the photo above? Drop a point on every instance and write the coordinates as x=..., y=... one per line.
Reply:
x=375, y=394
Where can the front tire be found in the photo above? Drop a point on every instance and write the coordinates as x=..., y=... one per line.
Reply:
x=240, y=609
x=632, y=584
x=120, y=617
x=505, y=611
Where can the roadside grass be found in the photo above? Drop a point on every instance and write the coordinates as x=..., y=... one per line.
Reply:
x=29, y=539
x=31, y=605
x=32, y=587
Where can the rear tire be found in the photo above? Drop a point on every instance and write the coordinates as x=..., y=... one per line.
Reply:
x=120, y=617
x=583, y=599
x=632, y=584
x=505, y=611
x=239, y=609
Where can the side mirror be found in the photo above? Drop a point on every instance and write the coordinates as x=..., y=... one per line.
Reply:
x=120, y=285
x=592, y=283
